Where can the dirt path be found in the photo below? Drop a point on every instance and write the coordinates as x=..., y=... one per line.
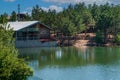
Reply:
x=84, y=39
x=80, y=43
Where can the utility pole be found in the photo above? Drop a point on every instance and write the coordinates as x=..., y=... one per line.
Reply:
x=18, y=12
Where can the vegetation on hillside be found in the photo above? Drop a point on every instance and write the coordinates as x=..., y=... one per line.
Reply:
x=78, y=18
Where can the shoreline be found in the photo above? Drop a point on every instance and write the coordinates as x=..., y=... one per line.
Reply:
x=83, y=39
x=78, y=45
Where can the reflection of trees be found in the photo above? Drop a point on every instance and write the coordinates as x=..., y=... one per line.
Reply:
x=106, y=55
x=70, y=56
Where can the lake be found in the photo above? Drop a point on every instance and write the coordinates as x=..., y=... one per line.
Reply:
x=70, y=63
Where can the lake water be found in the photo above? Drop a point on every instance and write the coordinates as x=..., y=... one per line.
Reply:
x=70, y=63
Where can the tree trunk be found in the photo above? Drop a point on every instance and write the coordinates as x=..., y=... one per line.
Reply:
x=105, y=36
x=115, y=32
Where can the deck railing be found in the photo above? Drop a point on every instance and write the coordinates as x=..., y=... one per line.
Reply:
x=27, y=38
x=31, y=38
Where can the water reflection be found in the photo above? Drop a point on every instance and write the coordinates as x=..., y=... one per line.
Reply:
x=58, y=54
x=69, y=63
x=70, y=56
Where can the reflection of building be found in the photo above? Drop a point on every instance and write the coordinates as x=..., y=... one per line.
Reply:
x=31, y=34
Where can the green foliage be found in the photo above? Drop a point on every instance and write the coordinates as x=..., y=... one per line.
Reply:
x=37, y=13
x=3, y=18
x=117, y=38
x=99, y=37
x=79, y=18
x=28, y=17
x=104, y=21
x=13, y=16
x=72, y=30
x=11, y=67
x=69, y=21
x=82, y=27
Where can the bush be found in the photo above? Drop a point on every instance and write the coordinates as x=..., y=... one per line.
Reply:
x=11, y=67
x=99, y=37
x=117, y=38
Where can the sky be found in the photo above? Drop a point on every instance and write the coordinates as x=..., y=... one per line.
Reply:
x=7, y=6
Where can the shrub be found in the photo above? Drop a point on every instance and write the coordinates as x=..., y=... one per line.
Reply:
x=99, y=37
x=117, y=38
x=11, y=67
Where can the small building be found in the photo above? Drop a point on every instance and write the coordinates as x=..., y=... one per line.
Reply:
x=32, y=34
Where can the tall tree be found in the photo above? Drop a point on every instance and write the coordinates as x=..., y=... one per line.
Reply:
x=28, y=17
x=4, y=18
x=36, y=12
x=13, y=16
x=115, y=20
x=104, y=23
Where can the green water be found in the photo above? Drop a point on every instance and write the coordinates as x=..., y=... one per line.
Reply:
x=69, y=63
